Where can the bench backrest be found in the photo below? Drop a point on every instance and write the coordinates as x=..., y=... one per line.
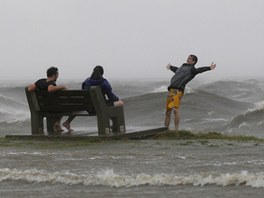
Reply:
x=61, y=101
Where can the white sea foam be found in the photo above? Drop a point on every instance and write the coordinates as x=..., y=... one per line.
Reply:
x=243, y=124
x=189, y=90
x=109, y=178
x=14, y=153
x=214, y=120
x=11, y=115
x=260, y=123
x=163, y=88
x=12, y=110
x=259, y=105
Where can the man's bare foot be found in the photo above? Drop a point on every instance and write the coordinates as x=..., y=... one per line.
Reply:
x=57, y=127
x=68, y=126
x=67, y=134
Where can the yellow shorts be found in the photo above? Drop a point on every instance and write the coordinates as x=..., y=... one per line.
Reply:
x=173, y=99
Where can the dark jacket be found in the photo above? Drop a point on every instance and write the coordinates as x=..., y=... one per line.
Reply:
x=105, y=86
x=184, y=74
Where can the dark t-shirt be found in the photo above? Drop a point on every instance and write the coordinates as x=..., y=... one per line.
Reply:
x=42, y=84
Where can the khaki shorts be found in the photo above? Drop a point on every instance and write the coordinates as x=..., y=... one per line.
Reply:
x=173, y=99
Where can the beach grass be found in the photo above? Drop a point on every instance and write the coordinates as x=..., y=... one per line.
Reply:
x=175, y=135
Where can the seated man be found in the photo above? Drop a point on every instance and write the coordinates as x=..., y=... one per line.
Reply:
x=49, y=84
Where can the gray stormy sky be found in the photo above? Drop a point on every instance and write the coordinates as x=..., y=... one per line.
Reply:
x=130, y=38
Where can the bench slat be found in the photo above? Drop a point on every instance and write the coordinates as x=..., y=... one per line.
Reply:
x=64, y=108
x=64, y=100
x=48, y=101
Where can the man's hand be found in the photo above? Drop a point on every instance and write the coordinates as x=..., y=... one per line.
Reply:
x=32, y=87
x=213, y=65
x=168, y=66
x=52, y=88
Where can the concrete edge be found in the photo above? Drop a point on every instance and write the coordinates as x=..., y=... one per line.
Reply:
x=137, y=135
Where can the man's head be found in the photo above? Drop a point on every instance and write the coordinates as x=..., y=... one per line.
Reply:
x=98, y=72
x=192, y=59
x=53, y=72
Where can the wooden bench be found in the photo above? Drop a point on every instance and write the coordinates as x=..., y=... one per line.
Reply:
x=73, y=103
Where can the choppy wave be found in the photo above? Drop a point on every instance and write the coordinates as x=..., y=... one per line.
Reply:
x=220, y=106
x=12, y=110
x=249, y=90
x=255, y=116
x=200, y=109
x=111, y=179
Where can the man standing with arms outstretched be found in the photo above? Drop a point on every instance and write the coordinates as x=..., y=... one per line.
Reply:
x=182, y=76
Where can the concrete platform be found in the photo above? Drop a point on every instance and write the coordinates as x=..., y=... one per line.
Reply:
x=137, y=135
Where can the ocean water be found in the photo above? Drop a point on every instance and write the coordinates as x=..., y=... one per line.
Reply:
x=143, y=168
x=229, y=106
x=146, y=168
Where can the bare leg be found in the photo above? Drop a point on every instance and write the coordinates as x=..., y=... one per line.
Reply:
x=67, y=123
x=167, y=118
x=176, y=119
x=57, y=127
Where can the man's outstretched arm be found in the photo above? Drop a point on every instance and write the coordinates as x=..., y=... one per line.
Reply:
x=204, y=69
x=172, y=68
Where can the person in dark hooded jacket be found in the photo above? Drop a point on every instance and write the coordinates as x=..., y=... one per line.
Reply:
x=97, y=79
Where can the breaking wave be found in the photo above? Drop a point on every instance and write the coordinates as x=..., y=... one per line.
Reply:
x=255, y=116
x=111, y=179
